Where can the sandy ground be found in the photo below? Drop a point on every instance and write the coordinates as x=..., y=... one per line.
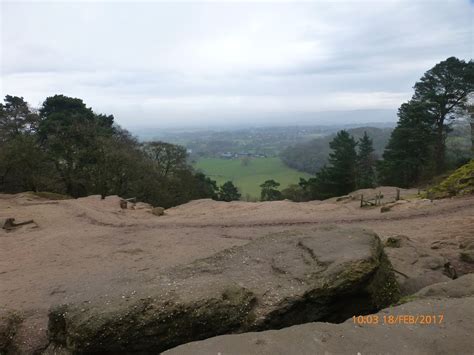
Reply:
x=86, y=247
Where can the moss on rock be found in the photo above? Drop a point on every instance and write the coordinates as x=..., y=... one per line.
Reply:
x=272, y=282
x=460, y=182
x=9, y=323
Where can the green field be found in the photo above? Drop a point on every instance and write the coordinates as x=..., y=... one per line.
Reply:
x=248, y=178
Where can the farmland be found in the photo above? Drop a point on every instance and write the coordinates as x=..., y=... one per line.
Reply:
x=247, y=176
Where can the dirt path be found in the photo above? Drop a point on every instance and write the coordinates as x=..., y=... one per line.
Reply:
x=86, y=247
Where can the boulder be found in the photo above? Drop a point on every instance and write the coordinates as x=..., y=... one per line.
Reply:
x=466, y=243
x=395, y=241
x=158, y=211
x=461, y=287
x=9, y=324
x=273, y=282
x=416, y=265
x=451, y=334
x=467, y=255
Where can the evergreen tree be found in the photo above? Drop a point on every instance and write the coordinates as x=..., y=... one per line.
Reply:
x=228, y=192
x=270, y=191
x=16, y=118
x=365, y=163
x=68, y=132
x=408, y=155
x=339, y=177
x=443, y=90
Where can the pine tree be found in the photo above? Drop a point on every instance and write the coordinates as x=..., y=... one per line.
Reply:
x=444, y=90
x=365, y=163
x=408, y=155
x=339, y=177
x=270, y=191
x=228, y=192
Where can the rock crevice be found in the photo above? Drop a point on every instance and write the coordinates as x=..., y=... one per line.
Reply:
x=343, y=272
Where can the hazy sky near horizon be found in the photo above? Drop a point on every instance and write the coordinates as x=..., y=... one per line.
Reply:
x=155, y=63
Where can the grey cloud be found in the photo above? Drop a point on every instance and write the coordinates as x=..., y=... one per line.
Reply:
x=180, y=63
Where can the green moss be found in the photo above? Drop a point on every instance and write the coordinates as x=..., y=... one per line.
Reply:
x=384, y=287
x=149, y=324
x=393, y=242
x=460, y=182
x=9, y=323
x=406, y=299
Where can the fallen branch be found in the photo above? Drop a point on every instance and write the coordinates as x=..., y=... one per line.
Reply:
x=10, y=223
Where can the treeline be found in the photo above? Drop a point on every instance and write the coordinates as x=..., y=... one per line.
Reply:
x=65, y=147
x=312, y=155
x=416, y=150
x=351, y=165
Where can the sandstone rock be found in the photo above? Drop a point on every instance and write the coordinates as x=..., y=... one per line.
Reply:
x=395, y=241
x=275, y=281
x=452, y=336
x=466, y=243
x=433, y=262
x=142, y=206
x=9, y=323
x=467, y=255
x=158, y=211
x=461, y=287
x=30, y=336
x=416, y=266
x=438, y=244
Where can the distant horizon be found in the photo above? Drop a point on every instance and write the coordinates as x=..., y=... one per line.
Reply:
x=340, y=118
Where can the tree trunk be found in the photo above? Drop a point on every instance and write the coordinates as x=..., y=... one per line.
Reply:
x=440, y=148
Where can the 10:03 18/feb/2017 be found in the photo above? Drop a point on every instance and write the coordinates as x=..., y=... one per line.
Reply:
x=422, y=319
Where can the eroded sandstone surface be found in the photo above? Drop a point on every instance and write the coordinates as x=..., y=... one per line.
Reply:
x=445, y=326
x=274, y=282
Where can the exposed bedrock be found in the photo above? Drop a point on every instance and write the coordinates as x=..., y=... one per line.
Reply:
x=443, y=327
x=276, y=281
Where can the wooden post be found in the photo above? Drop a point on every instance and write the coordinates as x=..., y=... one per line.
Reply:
x=361, y=200
x=398, y=195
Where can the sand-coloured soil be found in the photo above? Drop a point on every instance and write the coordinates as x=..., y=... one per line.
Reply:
x=86, y=248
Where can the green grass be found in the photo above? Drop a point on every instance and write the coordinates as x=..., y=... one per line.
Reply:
x=249, y=178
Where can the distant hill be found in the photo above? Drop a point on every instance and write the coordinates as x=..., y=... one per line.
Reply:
x=311, y=156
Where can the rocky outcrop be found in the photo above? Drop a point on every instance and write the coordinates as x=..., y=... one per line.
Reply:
x=467, y=252
x=461, y=287
x=9, y=323
x=416, y=266
x=273, y=282
x=448, y=331
x=445, y=328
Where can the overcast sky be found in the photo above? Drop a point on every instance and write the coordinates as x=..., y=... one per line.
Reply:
x=201, y=63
